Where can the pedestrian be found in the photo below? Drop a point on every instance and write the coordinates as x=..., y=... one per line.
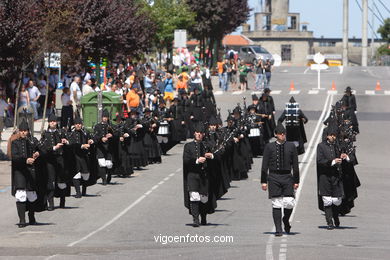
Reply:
x=24, y=154
x=75, y=95
x=196, y=177
x=34, y=95
x=267, y=70
x=329, y=176
x=51, y=145
x=243, y=70
x=350, y=99
x=67, y=109
x=280, y=157
x=295, y=120
x=259, y=75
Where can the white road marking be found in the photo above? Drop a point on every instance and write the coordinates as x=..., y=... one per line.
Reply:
x=178, y=170
x=328, y=102
x=313, y=92
x=387, y=92
x=166, y=178
x=306, y=70
x=256, y=93
x=51, y=257
x=341, y=69
x=237, y=92
x=294, y=92
x=170, y=175
x=370, y=92
x=219, y=92
x=161, y=182
x=275, y=92
x=332, y=92
x=119, y=215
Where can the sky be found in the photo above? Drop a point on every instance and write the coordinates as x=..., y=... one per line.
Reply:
x=325, y=16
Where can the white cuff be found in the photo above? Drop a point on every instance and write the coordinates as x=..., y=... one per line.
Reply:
x=54, y=148
x=197, y=162
x=212, y=156
x=333, y=162
x=347, y=159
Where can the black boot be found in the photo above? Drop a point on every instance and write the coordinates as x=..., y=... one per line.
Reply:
x=104, y=179
x=31, y=217
x=195, y=212
x=335, y=212
x=286, y=220
x=62, y=199
x=108, y=176
x=50, y=200
x=328, y=217
x=21, y=208
x=277, y=215
x=76, y=183
x=203, y=219
x=84, y=191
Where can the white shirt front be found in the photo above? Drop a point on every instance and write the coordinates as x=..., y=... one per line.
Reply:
x=65, y=98
x=75, y=87
x=33, y=92
x=87, y=89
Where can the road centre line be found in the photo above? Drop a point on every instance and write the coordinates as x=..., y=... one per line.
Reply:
x=119, y=215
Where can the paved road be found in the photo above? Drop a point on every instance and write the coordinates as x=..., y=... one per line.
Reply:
x=123, y=220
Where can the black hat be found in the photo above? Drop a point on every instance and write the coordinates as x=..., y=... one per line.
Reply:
x=252, y=107
x=199, y=127
x=105, y=113
x=78, y=120
x=213, y=120
x=52, y=117
x=348, y=89
x=229, y=118
x=237, y=109
x=279, y=129
x=331, y=130
x=255, y=97
x=267, y=90
x=292, y=100
x=147, y=110
x=219, y=120
x=23, y=126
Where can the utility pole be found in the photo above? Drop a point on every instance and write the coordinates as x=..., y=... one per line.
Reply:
x=364, y=32
x=345, y=32
x=372, y=33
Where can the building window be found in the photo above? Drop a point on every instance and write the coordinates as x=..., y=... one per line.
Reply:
x=286, y=52
x=327, y=44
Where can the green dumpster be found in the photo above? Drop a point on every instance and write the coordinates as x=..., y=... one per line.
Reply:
x=89, y=104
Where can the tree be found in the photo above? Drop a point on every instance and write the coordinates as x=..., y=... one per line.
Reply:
x=18, y=27
x=384, y=30
x=168, y=16
x=216, y=18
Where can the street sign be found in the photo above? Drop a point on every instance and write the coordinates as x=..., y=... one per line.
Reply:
x=322, y=66
x=180, y=39
x=319, y=58
x=55, y=60
x=277, y=60
x=59, y=85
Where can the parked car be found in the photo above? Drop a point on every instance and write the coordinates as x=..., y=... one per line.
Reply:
x=252, y=53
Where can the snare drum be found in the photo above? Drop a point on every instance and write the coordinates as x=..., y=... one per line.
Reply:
x=163, y=129
x=254, y=132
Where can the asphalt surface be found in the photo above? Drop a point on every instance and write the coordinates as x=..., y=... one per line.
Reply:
x=133, y=217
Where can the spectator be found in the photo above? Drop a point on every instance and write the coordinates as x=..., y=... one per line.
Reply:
x=3, y=107
x=222, y=74
x=196, y=79
x=168, y=90
x=153, y=65
x=24, y=98
x=132, y=99
x=267, y=70
x=67, y=110
x=243, y=69
x=42, y=89
x=75, y=95
x=259, y=74
x=87, y=88
x=34, y=95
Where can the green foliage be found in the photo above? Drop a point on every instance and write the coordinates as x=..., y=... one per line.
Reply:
x=384, y=30
x=383, y=50
x=168, y=16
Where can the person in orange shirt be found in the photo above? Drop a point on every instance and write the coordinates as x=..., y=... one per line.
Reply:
x=132, y=99
x=222, y=74
x=181, y=84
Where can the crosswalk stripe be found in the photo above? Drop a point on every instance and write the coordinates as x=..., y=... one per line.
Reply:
x=387, y=92
x=313, y=92
x=275, y=92
x=219, y=92
x=237, y=93
x=332, y=92
x=370, y=92
x=256, y=93
x=294, y=92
